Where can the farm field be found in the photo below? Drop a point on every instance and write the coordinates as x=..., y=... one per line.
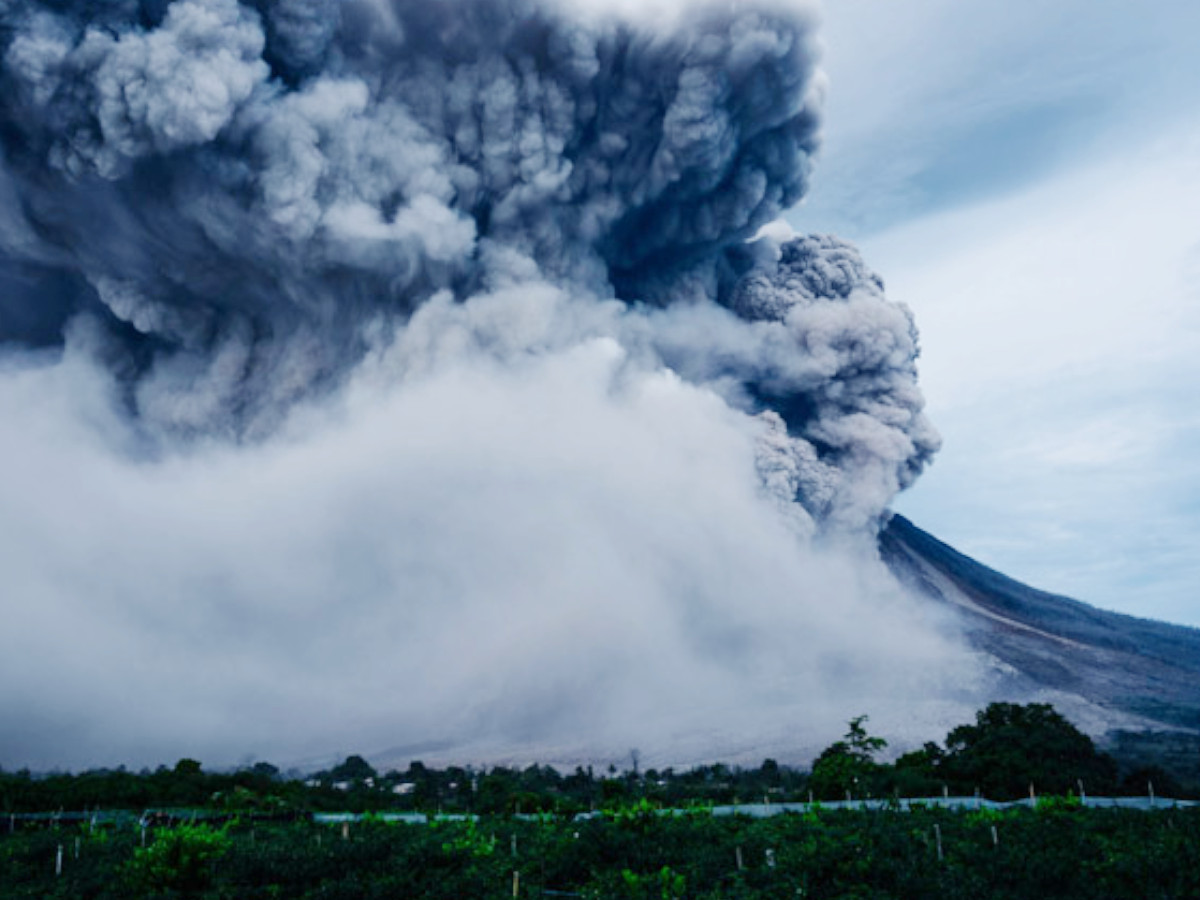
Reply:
x=1058, y=849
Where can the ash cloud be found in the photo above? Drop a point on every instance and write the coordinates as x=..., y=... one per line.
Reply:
x=225, y=182
x=347, y=342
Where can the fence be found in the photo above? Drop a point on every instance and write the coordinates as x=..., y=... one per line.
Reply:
x=754, y=810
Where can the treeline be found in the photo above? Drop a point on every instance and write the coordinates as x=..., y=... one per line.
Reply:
x=1006, y=751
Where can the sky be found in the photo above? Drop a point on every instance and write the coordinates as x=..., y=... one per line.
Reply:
x=1025, y=176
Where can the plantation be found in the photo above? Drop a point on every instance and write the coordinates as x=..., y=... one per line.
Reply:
x=1056, y=850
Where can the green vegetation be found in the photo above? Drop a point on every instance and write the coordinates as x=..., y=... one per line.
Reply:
x=182, y=860
x=642, y=834
x=1058, y=850
x=848, y=766
x=1007, y=749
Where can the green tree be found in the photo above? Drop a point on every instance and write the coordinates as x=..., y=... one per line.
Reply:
x=355, y=769
x=848, y=765
x=769, y=773
x=1011, y=746
x=265, y=771
x=918, y=773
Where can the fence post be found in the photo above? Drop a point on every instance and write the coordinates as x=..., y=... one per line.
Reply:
x=995, y=837
x=738, y=853
x=58, y=862
x=937, y=833
x=516, y=882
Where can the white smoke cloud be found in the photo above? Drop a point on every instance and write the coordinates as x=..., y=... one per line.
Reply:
x=547, y=548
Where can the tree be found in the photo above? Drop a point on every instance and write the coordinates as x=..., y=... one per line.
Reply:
x=918, y=773
x=354, y=769
x=265, y=771
x=1011, y=746
x=1143, y=779
x=847, y=765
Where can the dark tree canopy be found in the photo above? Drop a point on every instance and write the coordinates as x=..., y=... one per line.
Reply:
x=355, y=768
x=1011, y=746
x=187, y=767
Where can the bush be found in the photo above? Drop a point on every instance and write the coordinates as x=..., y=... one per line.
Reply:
x=181, y=861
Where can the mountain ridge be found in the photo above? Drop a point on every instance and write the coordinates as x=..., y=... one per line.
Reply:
x=1117, y=662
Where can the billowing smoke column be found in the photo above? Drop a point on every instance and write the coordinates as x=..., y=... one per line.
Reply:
x=232, y=204
x=383, y=372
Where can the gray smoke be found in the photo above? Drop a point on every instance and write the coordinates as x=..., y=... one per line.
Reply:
x=232, y=228
x=212, y=205
x=225, y=200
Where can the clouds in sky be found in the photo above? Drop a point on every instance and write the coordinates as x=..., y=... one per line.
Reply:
x=934, y=103
x=1063, y=382
x=1024, y=176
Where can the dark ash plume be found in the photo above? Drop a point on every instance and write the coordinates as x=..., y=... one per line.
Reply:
x=229, y=203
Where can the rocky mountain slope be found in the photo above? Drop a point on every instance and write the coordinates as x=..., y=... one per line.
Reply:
x=1133, y=669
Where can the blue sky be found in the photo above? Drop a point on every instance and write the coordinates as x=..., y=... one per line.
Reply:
x=1026, y=176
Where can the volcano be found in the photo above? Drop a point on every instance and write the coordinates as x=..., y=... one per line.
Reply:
x=1118, y=665
x=448, y=375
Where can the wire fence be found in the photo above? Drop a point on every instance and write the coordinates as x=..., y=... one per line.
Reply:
x=170, y=816
x=763, y=810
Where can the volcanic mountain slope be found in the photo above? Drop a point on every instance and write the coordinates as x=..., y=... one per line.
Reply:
x=1124, y=665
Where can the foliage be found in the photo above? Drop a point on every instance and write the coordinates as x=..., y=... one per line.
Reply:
x=179, y=861
x=1007, y=748
x=848, y=767
x=255, y=842
x=468, y=839
x=1011, y=747
x=354, y=769
x=1053, y=804
x=665, y=884
x=1060, y=850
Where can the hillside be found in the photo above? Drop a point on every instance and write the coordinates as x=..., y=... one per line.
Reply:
x=1122, y=664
